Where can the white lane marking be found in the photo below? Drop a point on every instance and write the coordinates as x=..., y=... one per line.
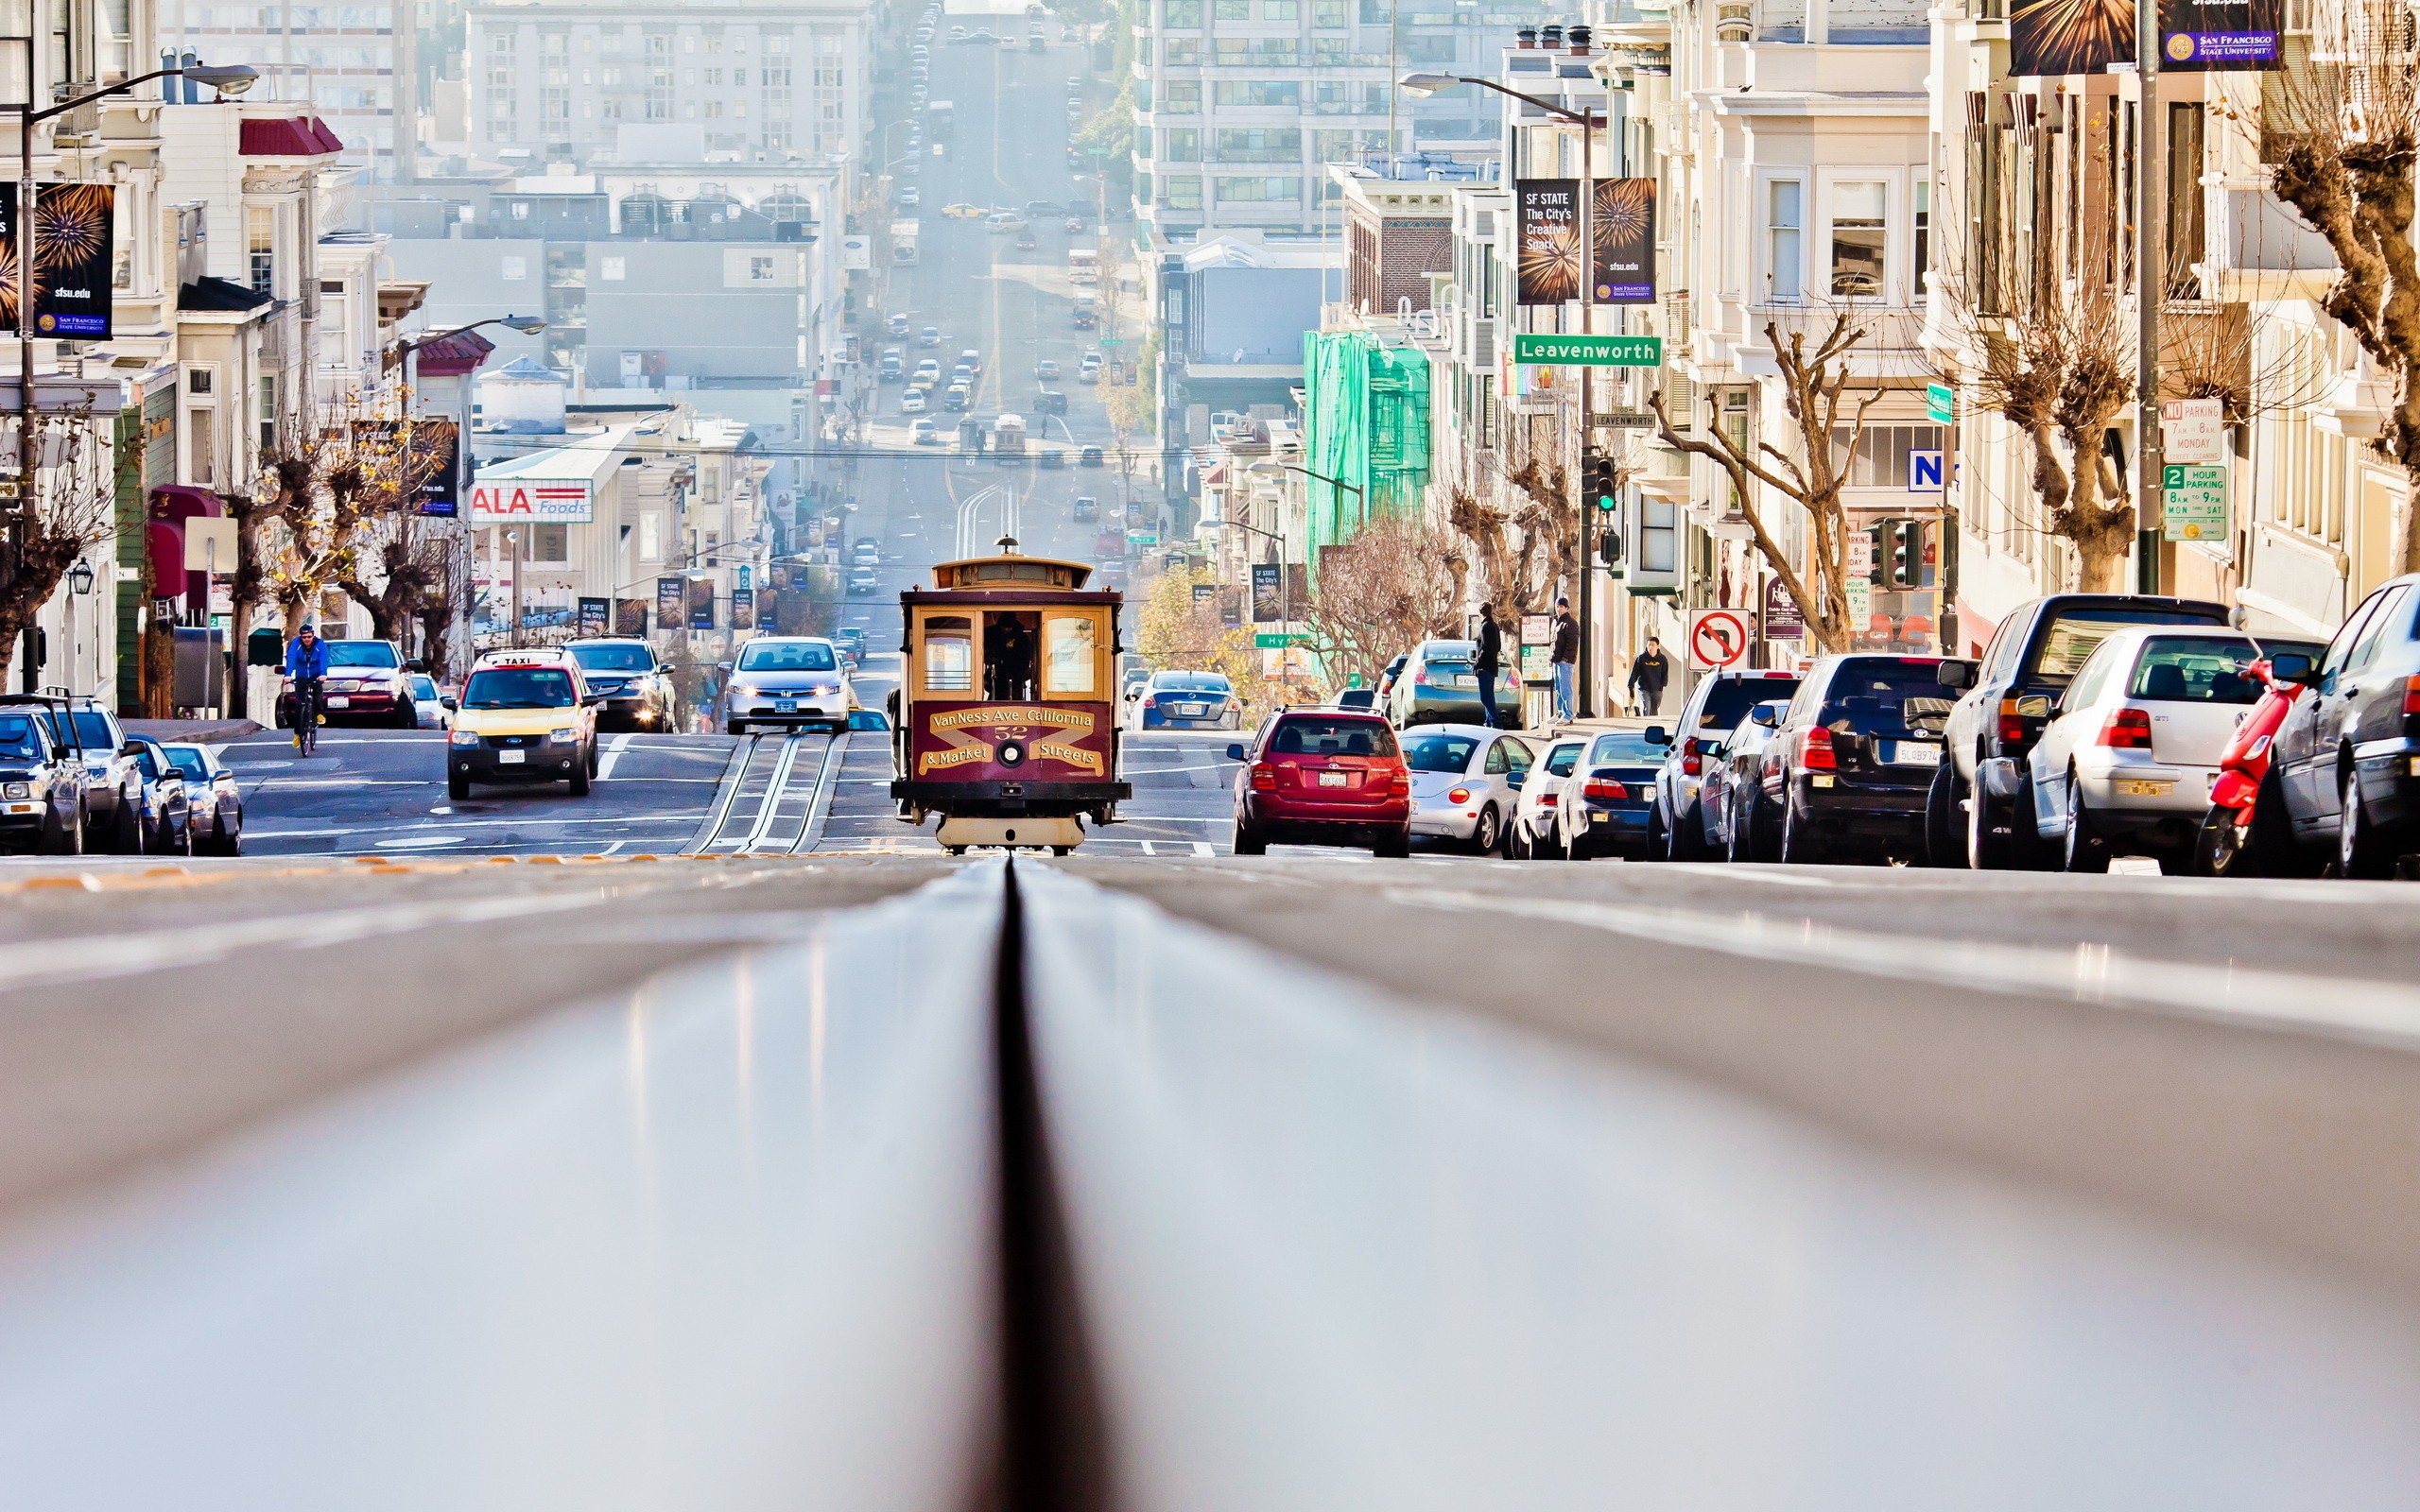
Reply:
x=90, y=957
x=1204, y=847
x=611, y=848
x=614, y=754
x=2379, y=1012
x=421, y=842
x=1151, y=850
x=287, y=785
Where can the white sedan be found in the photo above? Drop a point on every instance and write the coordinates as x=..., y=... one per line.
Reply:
x=2125, y=764
x=1464, y=786
x=1533, y=835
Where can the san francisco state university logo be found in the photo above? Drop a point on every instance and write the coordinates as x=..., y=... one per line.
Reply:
x=1017, y=734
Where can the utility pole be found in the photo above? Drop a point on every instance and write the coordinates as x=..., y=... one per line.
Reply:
x=2150, y=293
x=1584, y=705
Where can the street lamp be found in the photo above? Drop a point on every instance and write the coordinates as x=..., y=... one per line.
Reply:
x=229, y=79
x=1588, y=121
x=1358, y=496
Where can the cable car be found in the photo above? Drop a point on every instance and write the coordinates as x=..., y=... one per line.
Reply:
x=1005, y=724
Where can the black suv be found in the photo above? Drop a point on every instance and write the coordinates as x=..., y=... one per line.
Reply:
x=2008, y=696
x=2349, y=757
x=42, y=782
x=1846, y=771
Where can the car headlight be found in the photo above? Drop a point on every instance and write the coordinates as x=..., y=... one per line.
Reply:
x=21, y=789
x=562, y=737
x=743, y=690
x=464, y=737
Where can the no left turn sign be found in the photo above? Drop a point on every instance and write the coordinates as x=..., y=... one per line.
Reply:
x=1718, y=639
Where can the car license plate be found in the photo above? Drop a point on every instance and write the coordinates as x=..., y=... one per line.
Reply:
x=1333, y=779
x=2144, y=787
x=1188, y=710
x=511, y=757
x=1466, y=681
x=785, y=706
x=339, y=701
x=1913, y=753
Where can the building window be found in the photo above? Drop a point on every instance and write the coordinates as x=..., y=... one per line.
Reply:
x=1922, y=264
x=1785, y=228
x=1232, y=10
x=760, y=270
x=549, y=544
x=1184, y=144
x=1258, y=191
x=1182, y=15
x=200, y=382
x=1181, y=193
x=1183, y=96
x=1327, y=14
x=259, y=237
x=1280, y=11
x=1179, y=52
x=197, y=427
x=1881, y=460
x=268, y=414
x=1857, y=239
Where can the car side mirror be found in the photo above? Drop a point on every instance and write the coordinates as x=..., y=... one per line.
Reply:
x=1657, y=735
x=1519, y=779
x=2239, y=618
x=415, y=666
x=2034, y=706
x=447, y=703
x=1955, y=675
x=132, y=747
x=1766, y=716
x=2293, y=666
x=724, y=666
x=1234, y=750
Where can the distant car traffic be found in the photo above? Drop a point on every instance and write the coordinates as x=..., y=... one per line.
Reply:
x=911, y=402
x=1091, y=457
x=1466, y=781
x=1360, y=700
x=365, y=685
x=790, y=681
x=1188, y=701
x=633, y=690
x=863, y=583
x=1046, y=369
x=1322, y=777
x=925, y=432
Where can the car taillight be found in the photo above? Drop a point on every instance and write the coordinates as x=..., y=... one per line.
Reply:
x=1399, y=782
x=1691, y=764
x=2128, y=730
x=1815, y=752
x=1546, y=800
x=1460, y=795
x=1149, y=701
x=1419, y=679
x=1264, y=778
x=1605, y=788
x=2012, y=724
x=2410, y=696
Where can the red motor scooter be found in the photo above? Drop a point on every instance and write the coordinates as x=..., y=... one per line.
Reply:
x=2247, y=833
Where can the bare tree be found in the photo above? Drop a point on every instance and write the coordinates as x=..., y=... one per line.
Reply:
x=2341, y=134
x=1527, y=545
x=1811, y=474
x=74, y=509
x=1398, y=581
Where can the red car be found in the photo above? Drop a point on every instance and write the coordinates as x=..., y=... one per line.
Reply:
x=1322, y=777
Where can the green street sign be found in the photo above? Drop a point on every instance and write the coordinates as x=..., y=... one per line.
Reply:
x=1112, y=342
x=1276, y=640
x=1941, y=402
x=1589, y=352
x=2193, y=501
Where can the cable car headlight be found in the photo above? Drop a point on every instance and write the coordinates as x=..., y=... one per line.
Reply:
x=1011, y=753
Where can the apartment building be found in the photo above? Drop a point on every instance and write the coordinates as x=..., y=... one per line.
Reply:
x=553, y=80
x=351, y=66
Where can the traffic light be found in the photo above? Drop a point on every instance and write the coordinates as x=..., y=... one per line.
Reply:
x=1602, y=480
x=1899, y=554
x=1609, y=548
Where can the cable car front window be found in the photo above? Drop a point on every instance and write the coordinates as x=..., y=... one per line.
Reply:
x=949, y=655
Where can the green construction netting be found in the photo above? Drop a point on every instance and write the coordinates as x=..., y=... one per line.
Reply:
x=1365, y=422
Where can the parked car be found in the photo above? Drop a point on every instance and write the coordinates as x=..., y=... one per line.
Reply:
x=364, y=685
x=2347, y=757
x=1681, y=830
x=1848, y=771
x=427, y=701
x=217, y=804
x=167, y=806
x=1465, y=782
x=2126, y=764
x=1440, y=684
x=790, y=681
x=1362, y=699
x=634, y=686
x=1532, y=834
x=1174, y=699
x=2008, y=697
x=1387, y=678
x=42, y=781
x=92, y=738
x=1322, y=777
x=1742, y=825
x=1601, y=809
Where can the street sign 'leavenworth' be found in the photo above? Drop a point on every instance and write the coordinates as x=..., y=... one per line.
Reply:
x=1589, y=352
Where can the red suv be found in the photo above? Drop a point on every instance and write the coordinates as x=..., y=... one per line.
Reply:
x=1322, y=777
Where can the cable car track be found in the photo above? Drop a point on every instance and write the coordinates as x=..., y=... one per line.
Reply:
x=768, y=804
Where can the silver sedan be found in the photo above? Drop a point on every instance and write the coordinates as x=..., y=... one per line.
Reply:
x=1465, y=781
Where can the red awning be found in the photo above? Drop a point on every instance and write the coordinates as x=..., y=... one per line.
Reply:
x=164, y=546
x=181, y=500
x=301, y=136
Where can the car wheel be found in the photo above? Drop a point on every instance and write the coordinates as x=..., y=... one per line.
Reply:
x=592, y=757
x=1685, y=839
x=456, y=785
x=1516, y=840
x=406, y=717
x=2361, y=853
x=62, y=837
x=1734, y=836
x=1249, y=842
x=126, y=831
x=184, y=837
x=1798, y=847
x=578, y=779
x=2084, y=849
x=1945, y=836
x=1987, y=846
x=1488, y=832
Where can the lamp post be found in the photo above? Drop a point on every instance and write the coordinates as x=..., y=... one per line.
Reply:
x=1359, y=497
x=232, y=78
x=409, y=351
x=1588, y=122
x=79, y=582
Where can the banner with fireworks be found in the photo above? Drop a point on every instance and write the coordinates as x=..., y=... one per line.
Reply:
x=1624, y=231
x=2196, y=36
x=73, y=249
x=629, y=616
x=1549, y=257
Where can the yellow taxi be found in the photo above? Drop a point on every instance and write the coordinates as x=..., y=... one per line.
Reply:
x=524, y=716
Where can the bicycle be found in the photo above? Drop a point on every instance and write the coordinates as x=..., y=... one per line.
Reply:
x=306, y=714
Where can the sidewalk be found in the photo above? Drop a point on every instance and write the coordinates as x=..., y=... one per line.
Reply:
x=195, y=731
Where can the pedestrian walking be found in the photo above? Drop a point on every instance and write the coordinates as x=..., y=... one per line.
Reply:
x=1566, y=656
x=1491, y=655
x=1649, y=672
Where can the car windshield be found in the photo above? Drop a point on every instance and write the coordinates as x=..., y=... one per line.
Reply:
x=1733, y=697
x=1311, y=735
x=1623, y=747
x=150, y=766
x=361, y=654
x=787, y=655
x=424, y=688
x=1436, y=651
x=1190, y=683
x=18, y=740
x=614, y=658
x=1886, y=694
x=519, y=688
x=2071, y=639
x=1439, y=753
x=92, y=730
x=2197, y=669
x=189, y=761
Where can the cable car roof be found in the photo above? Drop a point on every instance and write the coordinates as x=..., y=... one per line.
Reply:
x=1011, y=571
